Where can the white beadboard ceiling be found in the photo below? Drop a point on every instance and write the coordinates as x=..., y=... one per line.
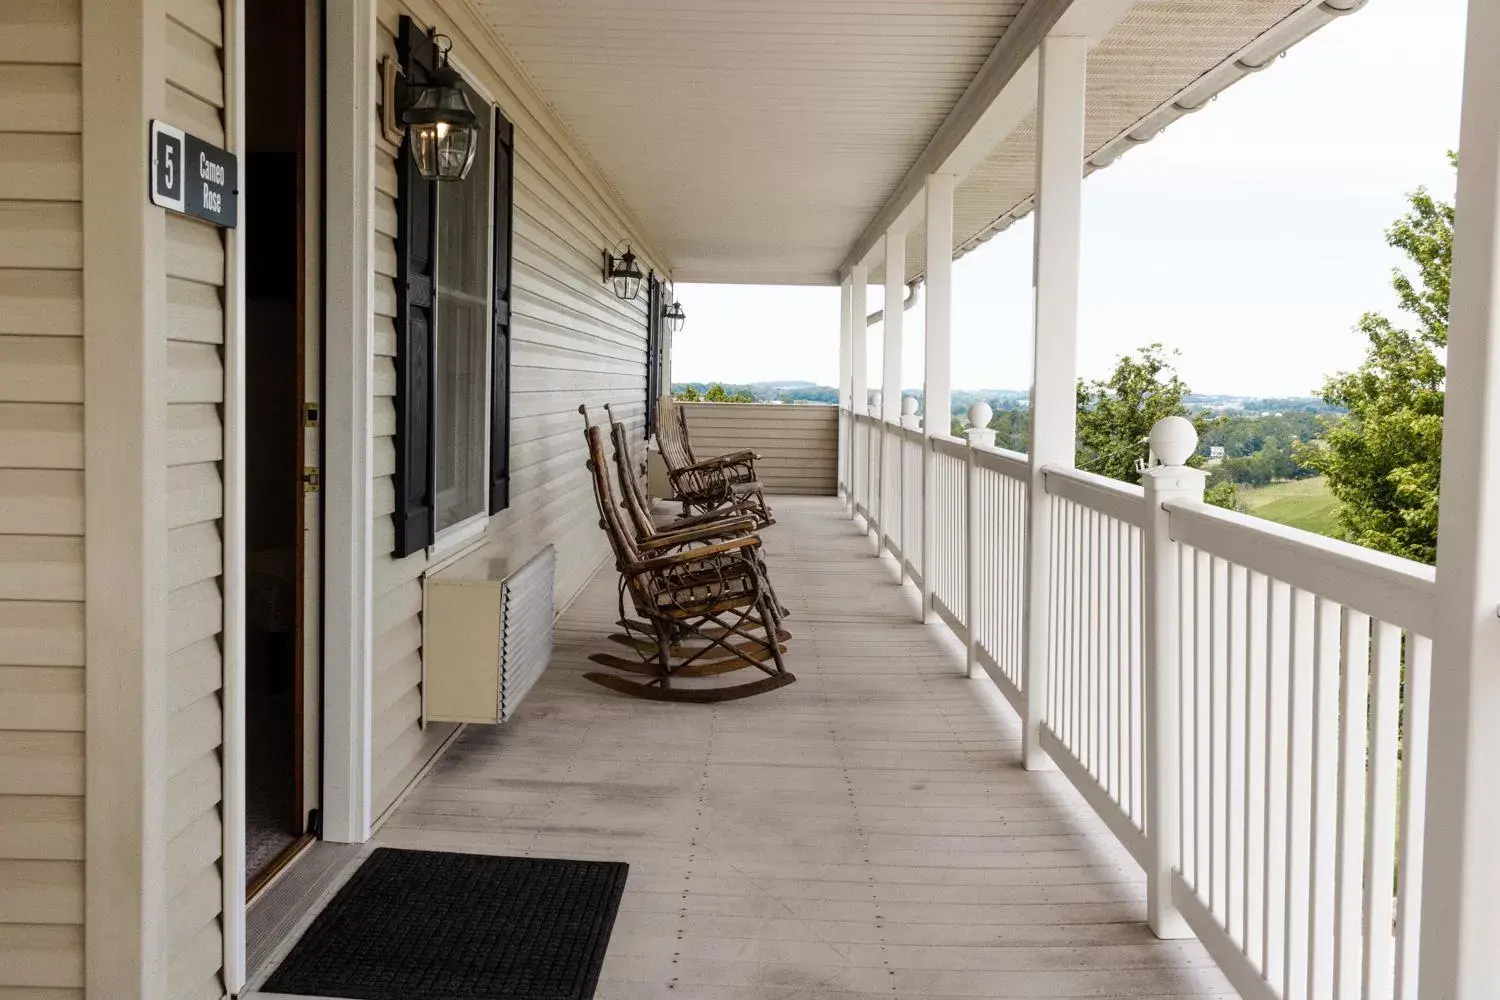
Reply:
x=756, y=140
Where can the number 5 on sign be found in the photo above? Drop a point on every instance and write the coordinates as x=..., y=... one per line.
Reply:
x=167, y=148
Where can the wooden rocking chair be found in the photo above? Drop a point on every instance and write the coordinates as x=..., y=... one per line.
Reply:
x=702, y=604
x=727, y=523
x=719, y=483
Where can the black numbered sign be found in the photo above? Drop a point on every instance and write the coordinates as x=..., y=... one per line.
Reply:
x=193, y=177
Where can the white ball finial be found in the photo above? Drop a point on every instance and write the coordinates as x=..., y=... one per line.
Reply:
x=1173, y=440
x=980, y=414
x=875, y=402
x=909, y=406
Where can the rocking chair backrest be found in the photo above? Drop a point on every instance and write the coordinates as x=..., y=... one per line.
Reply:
x=637, y=504
x=621, y=538
x=671, y=434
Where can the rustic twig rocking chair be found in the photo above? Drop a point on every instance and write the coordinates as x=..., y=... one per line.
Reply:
x=726, y=523
x=702, y=604
x=725, y=481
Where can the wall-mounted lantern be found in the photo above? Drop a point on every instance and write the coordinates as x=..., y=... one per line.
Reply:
x=624, y=273
x=441, y=126
x=424, y=100
x=675, y=316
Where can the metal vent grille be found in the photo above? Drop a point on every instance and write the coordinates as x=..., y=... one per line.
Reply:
x=526, y=616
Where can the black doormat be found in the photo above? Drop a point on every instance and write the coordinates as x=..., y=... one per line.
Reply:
x=424, y=925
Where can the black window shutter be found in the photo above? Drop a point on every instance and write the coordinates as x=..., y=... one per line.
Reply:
x=500, y=349
x=416, y=242
x=655, y=328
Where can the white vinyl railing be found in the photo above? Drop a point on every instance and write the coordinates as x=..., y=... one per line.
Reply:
x=1094, y=728
x=1245, y=705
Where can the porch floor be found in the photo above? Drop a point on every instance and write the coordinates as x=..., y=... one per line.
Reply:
x=866, y=832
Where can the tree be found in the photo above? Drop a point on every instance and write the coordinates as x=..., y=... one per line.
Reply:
x=1115, y=416
x=688, y=394
x=716, y=394
x=742, y=396
x=1383, y=459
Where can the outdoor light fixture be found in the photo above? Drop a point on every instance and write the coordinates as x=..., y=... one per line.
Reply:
x=624, y=273
x=675, y=317
x=440, y=124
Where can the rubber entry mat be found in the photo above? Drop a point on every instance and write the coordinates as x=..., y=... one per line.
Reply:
x=426, y=925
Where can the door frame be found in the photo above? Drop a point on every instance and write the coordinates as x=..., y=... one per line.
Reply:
x=233, y=793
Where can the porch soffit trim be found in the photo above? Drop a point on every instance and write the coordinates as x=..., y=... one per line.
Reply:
x=1011, y=53
x=512, y=73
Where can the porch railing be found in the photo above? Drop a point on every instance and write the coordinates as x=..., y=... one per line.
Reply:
x=1243, y=704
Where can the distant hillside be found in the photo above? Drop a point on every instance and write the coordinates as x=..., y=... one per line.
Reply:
x=1000, y=400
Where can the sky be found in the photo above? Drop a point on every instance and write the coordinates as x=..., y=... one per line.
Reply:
x=1248, y=236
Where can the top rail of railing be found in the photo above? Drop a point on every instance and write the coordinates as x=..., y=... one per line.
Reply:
x=1121, y=501
x=1387, y=587
x=1011, y=464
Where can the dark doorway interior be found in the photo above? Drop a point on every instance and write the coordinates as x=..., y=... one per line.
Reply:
x=275, y=168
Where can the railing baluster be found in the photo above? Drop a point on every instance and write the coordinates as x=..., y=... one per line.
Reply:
x=1257, y=666
x=1299, y=792
x=1414, y=737
x=1380, y=811
x=1354, y=736
x=1277, y=604
x=1325, y=748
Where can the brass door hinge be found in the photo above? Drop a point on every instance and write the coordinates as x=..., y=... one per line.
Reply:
x=312, y=480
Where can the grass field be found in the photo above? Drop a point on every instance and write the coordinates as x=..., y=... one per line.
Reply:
x=1304, y=503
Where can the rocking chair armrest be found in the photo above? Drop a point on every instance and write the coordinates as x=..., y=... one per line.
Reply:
x=724, y=520
x=735, y=457
x=722, y=529
x=711, y=465
x=693, y=555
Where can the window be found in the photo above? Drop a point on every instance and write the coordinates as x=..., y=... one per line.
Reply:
x=461, y=382
x=453, y=261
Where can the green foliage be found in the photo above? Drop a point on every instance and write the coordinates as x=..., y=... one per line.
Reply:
x=1223, y=494
x=1382, y=461
x=688, y=394
x=1304, y=503
x=1115, y=416
x=1012, y=429
x=716, y=394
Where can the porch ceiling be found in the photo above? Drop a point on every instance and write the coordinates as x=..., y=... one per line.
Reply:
x=754, y=140
x=773, y=141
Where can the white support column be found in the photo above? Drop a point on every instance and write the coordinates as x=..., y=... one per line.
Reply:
x=348, y=719
x=1172, y=441
x=1460, y=923
x=937, y=388
x=859, y=386
x=890, y=383
x=1060, y=147
x=122, y=900
x=846, y=413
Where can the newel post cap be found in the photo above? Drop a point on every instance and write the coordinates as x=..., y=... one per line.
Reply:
x=1173, y=440
x=908, y=406
x=980, y=414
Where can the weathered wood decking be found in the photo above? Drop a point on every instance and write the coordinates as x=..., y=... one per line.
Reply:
x=866, y=832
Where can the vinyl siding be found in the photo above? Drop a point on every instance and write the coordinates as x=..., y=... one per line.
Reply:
x=798, y=445
x=41, y=501
x=194, y=385
x=572, y=342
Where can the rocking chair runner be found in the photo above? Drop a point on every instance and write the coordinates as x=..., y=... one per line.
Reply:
x=703, y=602
x=712, y=484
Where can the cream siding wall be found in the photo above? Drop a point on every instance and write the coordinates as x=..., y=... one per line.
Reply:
x=798, y=445
x=572, y=342
x=41, y=501
x=195, y=615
